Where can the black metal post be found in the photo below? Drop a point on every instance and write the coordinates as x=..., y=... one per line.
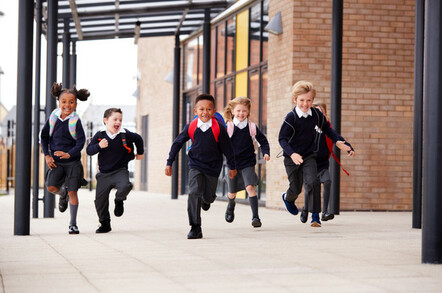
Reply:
x=66, y=54
x=73, y=65
x=36, y=161
x=51, y=76
x=176, y=110
x=336, y=84
x=22, y=200
x=8, y=155
x=91, y=125
x=206, y=51
x=418, y=105
x=432, y=161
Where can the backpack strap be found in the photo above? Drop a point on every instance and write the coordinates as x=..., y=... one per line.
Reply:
x=72, y=124
x=123, y=138
x=230, y=128
x=192, y=127
x=332, y=153
x=252, y=130
x=215, y=128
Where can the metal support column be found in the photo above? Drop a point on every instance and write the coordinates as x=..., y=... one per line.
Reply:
x=36, y=160
x=418, y=105
x=335, y=103
x=51, y=77
x=206, y=51
x=176, y=110
x=22, y=199
x=432, y=159
x=66, y=54
x=73, y=65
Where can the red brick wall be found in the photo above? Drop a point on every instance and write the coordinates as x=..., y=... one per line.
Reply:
x=377, y=93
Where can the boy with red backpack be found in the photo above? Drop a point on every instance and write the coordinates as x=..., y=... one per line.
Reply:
x=209, y=142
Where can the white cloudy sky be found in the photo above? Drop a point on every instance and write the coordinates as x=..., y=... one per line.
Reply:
x=107, y=68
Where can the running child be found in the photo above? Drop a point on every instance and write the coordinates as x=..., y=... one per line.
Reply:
x=244, y=134
x=209, y=142
x=114, y=146
x=299, y=139
x=62, y=139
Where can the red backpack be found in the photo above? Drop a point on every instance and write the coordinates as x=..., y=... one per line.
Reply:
x=194, y=124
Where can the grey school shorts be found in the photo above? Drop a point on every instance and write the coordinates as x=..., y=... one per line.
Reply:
x=243, y=178
x=69, y=173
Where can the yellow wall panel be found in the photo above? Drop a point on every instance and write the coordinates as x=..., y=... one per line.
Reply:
x=241, y=84
x=242, y=40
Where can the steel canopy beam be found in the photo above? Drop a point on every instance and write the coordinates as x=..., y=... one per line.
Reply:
x=154, y=9
x=76, y=19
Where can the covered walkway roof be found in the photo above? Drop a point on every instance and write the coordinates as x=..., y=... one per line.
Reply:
x=104, y=19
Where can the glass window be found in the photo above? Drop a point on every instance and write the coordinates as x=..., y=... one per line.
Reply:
x=220, y=53
x=264, y=85
x=255, y=31
x=219, y=96
x=191, y=55
x=253, y=93
x=213, y=54
x=265, y=35
x=230, y=89
x=230, y=58
x=200, y=59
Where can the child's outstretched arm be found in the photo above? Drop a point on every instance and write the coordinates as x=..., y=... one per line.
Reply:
x=264, y=144
x=344, y=146
x=96, y=145
x=175, y=148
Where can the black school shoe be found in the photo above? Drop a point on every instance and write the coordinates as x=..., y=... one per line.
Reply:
x=74, y=229
x=119, y=208
x=64, y=199
x=205, y=206
x=104, y=228
x=256, y=222
x=304, y=215
x=195, y=233
x=326, y=216
x=230, y=215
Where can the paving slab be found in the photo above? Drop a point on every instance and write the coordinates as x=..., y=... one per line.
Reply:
x=147, y=251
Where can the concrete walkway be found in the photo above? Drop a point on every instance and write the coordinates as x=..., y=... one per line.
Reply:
x=148, y=251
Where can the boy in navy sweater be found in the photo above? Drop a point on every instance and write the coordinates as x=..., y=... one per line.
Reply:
x=299, y=139
x=62, y=139
x=325, y=150
x=114, y=148
x=244, y=134
x=209, y=142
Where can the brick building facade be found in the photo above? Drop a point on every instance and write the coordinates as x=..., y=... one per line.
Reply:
x=377, y=95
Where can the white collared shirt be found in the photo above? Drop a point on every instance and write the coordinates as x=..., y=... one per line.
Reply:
x=204, y=125
x=240, y=124
x=58, y=114
x=112, y=136
x=302, y=114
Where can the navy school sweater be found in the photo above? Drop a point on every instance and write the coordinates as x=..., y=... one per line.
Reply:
x=205, y=155
x=299, y=135
x=115, y=155
x=244, y=149
x=62, y=140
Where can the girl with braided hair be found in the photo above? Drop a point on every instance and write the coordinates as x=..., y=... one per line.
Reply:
x=62, y=139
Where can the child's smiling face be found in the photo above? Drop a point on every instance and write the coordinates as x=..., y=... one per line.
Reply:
x=241, y=112
x=205, y=109
x=113, y=122
x=304, y=102
x=67, y=103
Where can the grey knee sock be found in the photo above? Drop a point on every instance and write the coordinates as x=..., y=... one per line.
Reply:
x=73, y=209
x=254, y=205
